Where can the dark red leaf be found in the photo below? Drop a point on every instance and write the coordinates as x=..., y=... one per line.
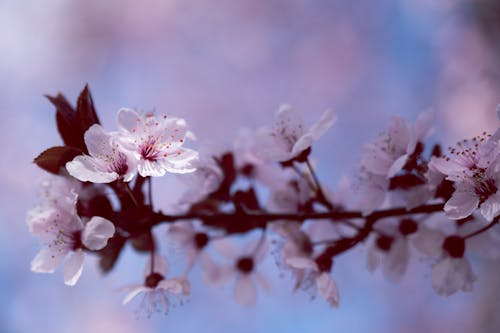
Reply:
x=85, y=110
x=55, y=158
x=67, y=121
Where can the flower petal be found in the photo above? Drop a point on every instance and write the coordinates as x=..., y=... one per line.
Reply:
x=47, y=261
x=491, y=207
x=136, y=291
x=245, y=292
x=326, y=121
x=461, y=204
x=73, y=267
x=327, y=288
x=96, y=233
x=88, y=169
x=451, y=275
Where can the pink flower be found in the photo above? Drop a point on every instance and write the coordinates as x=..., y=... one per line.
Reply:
x=297, y=254
x=243, y=269
x=475, y=169
x=108, y=161
x=156, y=289
x=157, y=142
x=193, y=242
x=57, y=224
x=288, y=137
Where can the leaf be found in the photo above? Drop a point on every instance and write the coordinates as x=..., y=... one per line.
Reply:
x=67, y=122
x=110, y=254
x=55, y=158
x=85, y=110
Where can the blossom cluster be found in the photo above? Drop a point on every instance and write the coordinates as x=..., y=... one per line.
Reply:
x=410, y=199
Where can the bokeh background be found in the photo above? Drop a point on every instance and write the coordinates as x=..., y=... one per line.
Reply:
x=224, y=65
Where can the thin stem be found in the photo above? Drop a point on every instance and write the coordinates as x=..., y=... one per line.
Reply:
x=129, y=192
x=319, y=190
x=483, y=229
x=150, y=192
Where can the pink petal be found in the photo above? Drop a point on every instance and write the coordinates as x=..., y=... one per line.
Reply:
x=327, y=288
x=73, y=267
x=136, y=291
x=461, y=204
x=47, y=261
x=96, y=233
x=326, y=121
x=491, y=207
x=245, y=292
x=88, y=169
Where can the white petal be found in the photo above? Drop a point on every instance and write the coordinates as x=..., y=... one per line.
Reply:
x=447, y=167
x=73, y=267
x=327, y=288
x=491, y=207
x=97, y=141
x=301, y=263
x=245, y=292
x=96, y=233
x=227, y=248
x=302, y=144
x=461, y=204
x=396, y=260
x=451, y=275
x=262, y=281
x=46, y=261
x=128, y=119
x=324, y=123
x=88, y=169
x=398, y=164
x=428, y=241
x=136, y=291
x=172, y=285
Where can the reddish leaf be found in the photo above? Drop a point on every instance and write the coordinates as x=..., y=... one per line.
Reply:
x=67, y=122
x=55, y=158
x=85, y=110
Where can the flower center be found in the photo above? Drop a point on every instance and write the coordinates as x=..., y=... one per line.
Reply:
x=200, y=240
x=153, y=279
x=119, y=164
x=484, y=188
x=245, y=265
x=149, y=150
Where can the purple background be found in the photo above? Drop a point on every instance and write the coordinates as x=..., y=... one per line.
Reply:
x=224, y=65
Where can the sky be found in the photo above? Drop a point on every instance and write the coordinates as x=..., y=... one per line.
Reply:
x=226, y=65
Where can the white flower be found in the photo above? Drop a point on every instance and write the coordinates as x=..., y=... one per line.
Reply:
x=389, y=154
x=387, y=157
x=56, y=223
x=450, y=275
x=108, y=161
x=185, y=236
x=156, y=288
x=205, y=180
x=157, y=142
x=475, y=169
x=243, y=269
x=288, y=137
x=297, y=254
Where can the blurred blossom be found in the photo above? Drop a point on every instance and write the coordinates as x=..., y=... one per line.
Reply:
x=223, y=65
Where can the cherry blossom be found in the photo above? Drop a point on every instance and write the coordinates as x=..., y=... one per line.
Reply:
x=475, y=169
x=244, y=269
x=298, y=256
x=193, y=242
x=108, y=161
x=57, y=224
x=157, y=142
x=157, y=289
x=288, y=137
x=394, y=152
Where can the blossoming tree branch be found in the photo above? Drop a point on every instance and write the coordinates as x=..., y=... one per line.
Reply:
x=413, y=199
